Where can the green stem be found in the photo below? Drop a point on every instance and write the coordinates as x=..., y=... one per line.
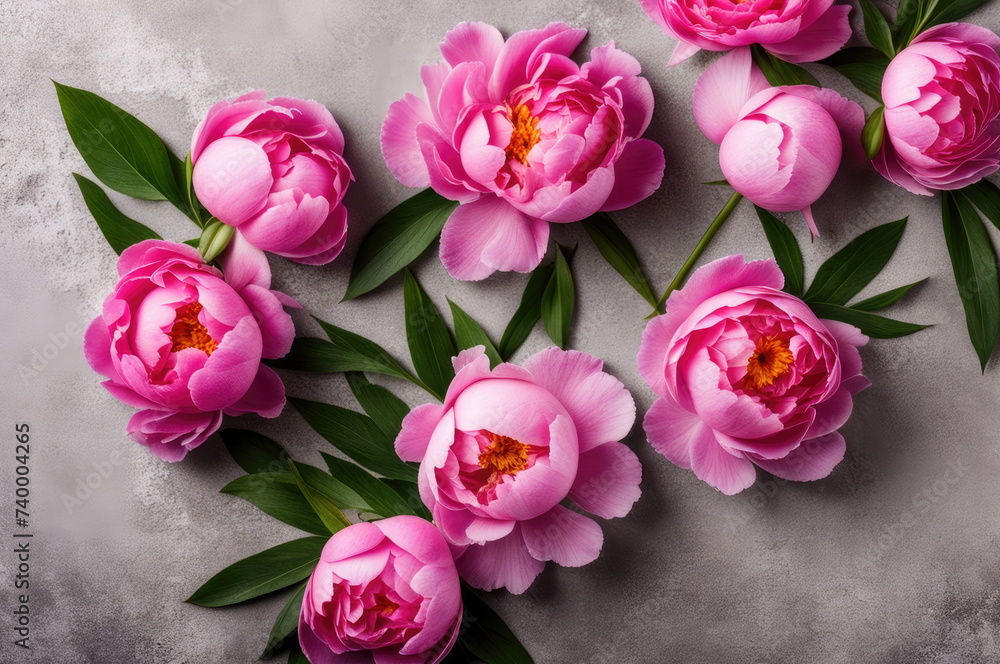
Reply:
x=706, y=239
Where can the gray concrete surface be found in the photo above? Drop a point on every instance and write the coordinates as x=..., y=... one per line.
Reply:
x=884, y=561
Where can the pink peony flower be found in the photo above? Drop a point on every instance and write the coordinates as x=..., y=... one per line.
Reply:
x=747, y=375
x=183, y=343
x=275, y=170
x=793, y=30
x=508, y=446
x=385, y=592
x=521, y=136
x=779, y=147
x=942, y=110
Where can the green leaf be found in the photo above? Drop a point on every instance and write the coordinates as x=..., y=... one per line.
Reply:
x=120, y=231
x=385, y=408
x=469, y=334
x=322, y=504
x=875, y=326
x=619, y=253
x=778, y=72
x=261, y=573
x=357, y=436
x=949, y=11
x=852, y=268
x=278, y=495
x=198, y=213
x=528, y=313
x=430, y=342
x=986, y=197
x=557, y=302
x=123, y=153
x=296, y=656
x=379, y=357
x=397, y=239
x=285, y=624
x=488, y=637
x=253, y=452
x=410, y=493
x=314, y=355
x=785, y=249
x=886, y=299
x=382, y=499
x=863, y=66
x=906, y=20
x=877, y=28
x=974, y=263
x=873, y=133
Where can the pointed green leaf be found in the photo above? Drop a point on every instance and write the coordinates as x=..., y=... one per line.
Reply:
x=322, y=504
x=261, y=573
x=886, y=299
x=120, y=231
x=877, y=28
x=385, y=408
x=785, y=249
x=906, y=20
x=873, y=132
x=618, y=251
x=253, y=452
x=863, y=66
x=397, y=239
x=314, y=355
x=123, y=153
x=382, y=499
x=357, y=436
x=285, y=624
x=469, y=334
x=488, y=637
x=974, y=263
x=528, y=313
x=430, y=342
x=296, y=656
x=377, y=356
x=778, y=72
x=558, y=301
x=852, y=268
x=278, y=495
x=986, y=197
x=949, y=11
x=410, y=493
x=875, y=326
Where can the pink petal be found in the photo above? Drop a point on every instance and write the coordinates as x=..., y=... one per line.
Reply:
x=230, y=370
x=552, y=204
x=265, y=396
x=97, y=348
x=638, y=173
x=171, y=435
x=232, y=179
x=398, y=139
x=673, y=431
x=503, y=563
x=326, y=244
x=564, y=537
x=652, y=356
x=814, y=459
x=832, y=413
x=887, y=163
x=472, y=42
x=520, y=51
x=418, y=427
x=483, y=530
x=682, y=52
x=607, y=480
x=722, y=90
x=821, y=39
x=490, y=228
x=276, y=327
x=727, y=473
x=609, y=65
x=290, y=219
x=599, y=404
x=244, y=264
x=520, y=242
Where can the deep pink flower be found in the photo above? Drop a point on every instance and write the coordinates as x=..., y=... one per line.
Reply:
x=942, y=110
x=779, y=147
x=275, y=170
x=748, y=375
x=794, y=30
x=184, y=344
x=385, y=592
x=521, y=135
x=508, y=446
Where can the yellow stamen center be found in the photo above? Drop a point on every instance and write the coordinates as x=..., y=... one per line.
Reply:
x=188, y=332
x=771, y=359
x=504, y=455
x=525, y=136
x=385, y=606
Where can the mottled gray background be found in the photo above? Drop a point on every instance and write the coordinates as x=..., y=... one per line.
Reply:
x=890, y=559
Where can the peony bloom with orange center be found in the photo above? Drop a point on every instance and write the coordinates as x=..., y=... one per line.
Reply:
x=748, y=376
x=508, y=447
x=522, y=136
x=183, y=342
